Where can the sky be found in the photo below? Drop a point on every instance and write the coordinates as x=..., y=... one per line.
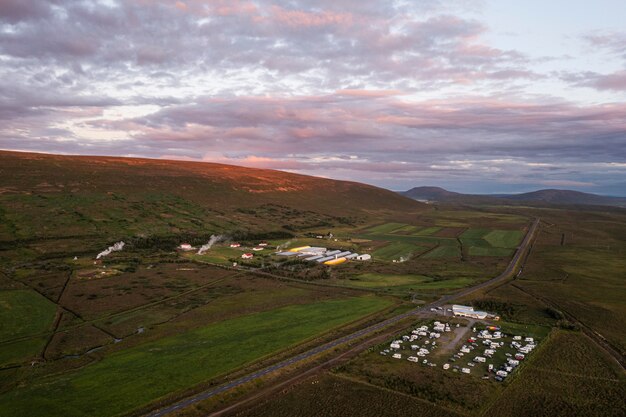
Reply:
x=475, y=96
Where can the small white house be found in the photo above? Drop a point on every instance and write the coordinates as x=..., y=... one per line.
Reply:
x=247, y=256
x=257, y=248
x=235, y=245
x=185, y=246
x=364, y=257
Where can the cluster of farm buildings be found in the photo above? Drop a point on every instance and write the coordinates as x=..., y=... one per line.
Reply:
x=323, y=255
x=307, y=253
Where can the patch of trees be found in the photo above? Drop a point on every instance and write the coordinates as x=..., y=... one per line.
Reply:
x=503, y=309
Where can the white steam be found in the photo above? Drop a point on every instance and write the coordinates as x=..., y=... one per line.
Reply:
x=116, y=247
x=284, y=245
x=212, y=241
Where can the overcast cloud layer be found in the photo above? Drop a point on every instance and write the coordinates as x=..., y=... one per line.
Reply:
x=394, y=93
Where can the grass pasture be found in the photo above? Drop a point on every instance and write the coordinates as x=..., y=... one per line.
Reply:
x=504, y=238
x=386, y=228
x=24, y=313
x=443, y=252
x=488, y=251
x=134, y=377
x=397, y=250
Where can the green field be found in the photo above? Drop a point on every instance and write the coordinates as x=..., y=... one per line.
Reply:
x=134, y=377
x=504, y=238
x=386, y=228
x=384, y=280
x=408, y=283
x=397, y=250
x=486, y=251
x=427, y=231
x=443, y=252
x=24, y=313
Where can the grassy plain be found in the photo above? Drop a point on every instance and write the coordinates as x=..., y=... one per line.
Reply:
x=134, y=377
x=24, y=313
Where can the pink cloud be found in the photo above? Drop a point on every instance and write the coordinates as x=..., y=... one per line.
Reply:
x=300, y=18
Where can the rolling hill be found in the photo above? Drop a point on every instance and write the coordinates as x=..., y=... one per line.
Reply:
x=549, y=196
x=47, y=196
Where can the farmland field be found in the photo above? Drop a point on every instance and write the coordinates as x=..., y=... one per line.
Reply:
x=24, y=313
x=397, y=251
x=444, y=252
x=484, y=251
x=386, y=228
x=131, y=378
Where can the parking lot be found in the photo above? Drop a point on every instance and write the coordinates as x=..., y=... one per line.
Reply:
x=463, y=346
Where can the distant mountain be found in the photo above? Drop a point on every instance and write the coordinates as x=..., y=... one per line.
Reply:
x=430, y=194
x=549, y=196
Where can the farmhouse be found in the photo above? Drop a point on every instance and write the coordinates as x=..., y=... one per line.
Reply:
x=467, y=311
x=247, y=256
x=185, y=246
x=364, y=257
x=235, y=245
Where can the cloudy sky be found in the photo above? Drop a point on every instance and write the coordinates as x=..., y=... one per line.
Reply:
x=475, y=96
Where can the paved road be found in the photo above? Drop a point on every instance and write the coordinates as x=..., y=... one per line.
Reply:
x=356, y=335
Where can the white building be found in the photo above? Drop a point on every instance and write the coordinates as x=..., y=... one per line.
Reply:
x=247, y=256
x=364, y=257
x=467, y=311
x=185, y=246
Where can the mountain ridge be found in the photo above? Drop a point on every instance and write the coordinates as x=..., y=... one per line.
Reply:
x=547, y=196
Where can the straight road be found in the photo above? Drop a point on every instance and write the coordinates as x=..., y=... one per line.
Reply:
x=511, y=268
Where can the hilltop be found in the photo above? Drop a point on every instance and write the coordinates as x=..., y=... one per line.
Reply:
x=45, y=195
x=548, y=196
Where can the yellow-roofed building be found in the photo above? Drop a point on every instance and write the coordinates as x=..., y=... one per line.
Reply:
x=335, y=261
x=298, y=249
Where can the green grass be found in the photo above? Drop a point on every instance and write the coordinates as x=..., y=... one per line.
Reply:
x=18, y=352
x=403, y=283
x=504, y=238
x=483, y=251
x=137, y=376
x=474, y=233
x=386, y=227
x=397, y=250
x=427, y=231
x=384, y=280
x=443, y=252
x=24, y=313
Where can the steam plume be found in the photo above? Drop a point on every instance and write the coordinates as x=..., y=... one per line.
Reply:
x=212, y=241
x=116, y=247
